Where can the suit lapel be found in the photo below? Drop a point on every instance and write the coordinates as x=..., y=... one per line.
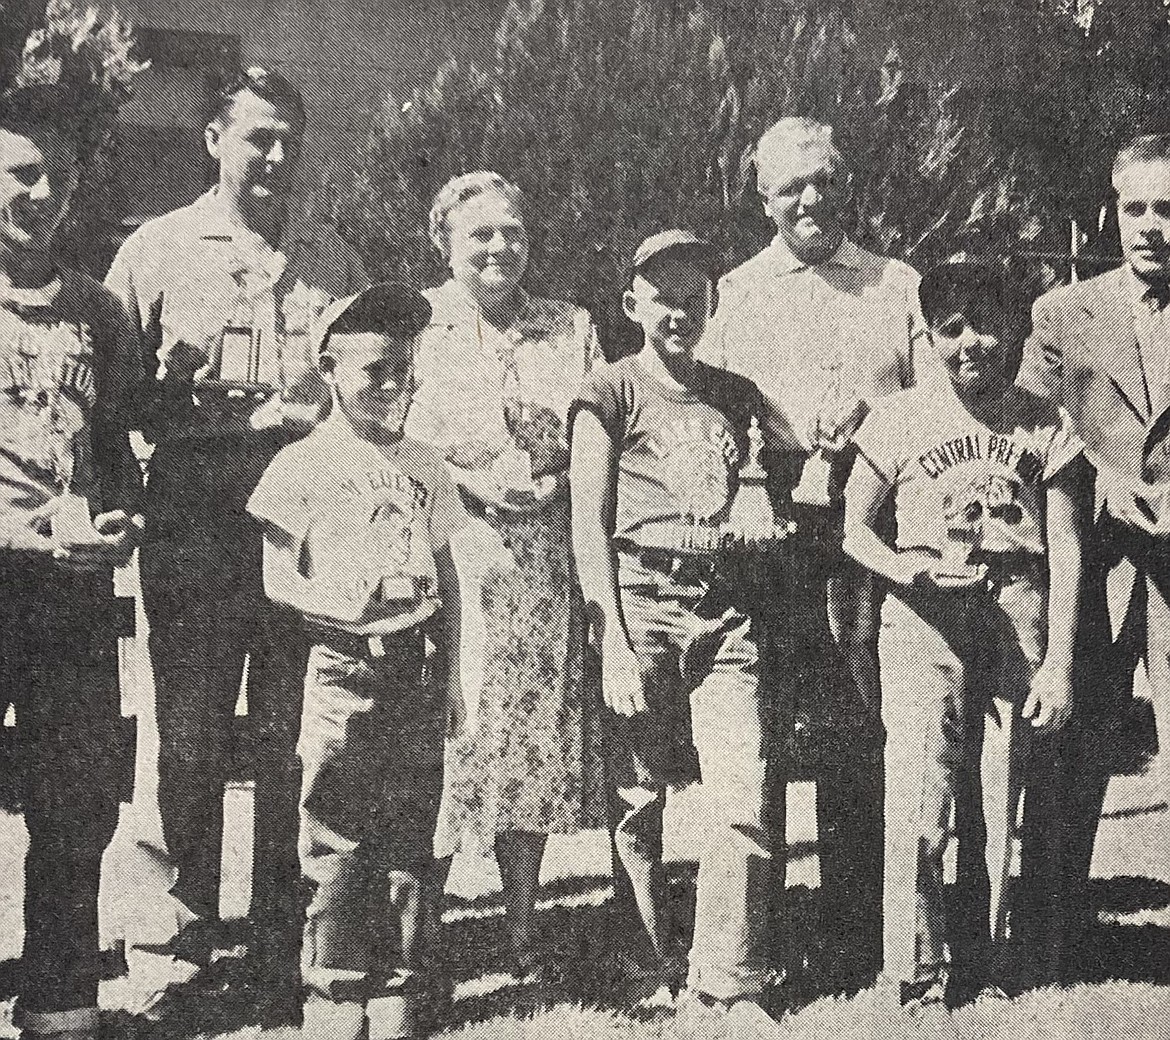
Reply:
x=1116, y=345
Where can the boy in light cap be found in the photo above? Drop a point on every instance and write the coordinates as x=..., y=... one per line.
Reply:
x=657, y=440
x=358, y=522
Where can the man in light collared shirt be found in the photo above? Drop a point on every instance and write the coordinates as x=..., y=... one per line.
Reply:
x=225, y=293
x=822, y=327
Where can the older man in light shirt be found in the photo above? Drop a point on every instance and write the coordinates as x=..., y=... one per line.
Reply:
x=823, y=327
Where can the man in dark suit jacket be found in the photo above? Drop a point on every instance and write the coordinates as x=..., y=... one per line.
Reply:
x=1102, y=347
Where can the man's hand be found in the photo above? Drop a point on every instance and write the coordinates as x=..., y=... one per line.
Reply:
x=837, y=422
x=621, y=677
x=118, y=534
x=1129, y=507
x=1049, y=705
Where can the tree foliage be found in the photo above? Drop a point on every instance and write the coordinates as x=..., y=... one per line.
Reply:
x=620, y=117
x=89, y=54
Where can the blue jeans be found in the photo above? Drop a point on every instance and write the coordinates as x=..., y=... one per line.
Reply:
x=371, y=748
x=700, y=664
x=956, y=668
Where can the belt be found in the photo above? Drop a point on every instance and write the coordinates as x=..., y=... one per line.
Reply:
x=374, y=646
x=679, y=566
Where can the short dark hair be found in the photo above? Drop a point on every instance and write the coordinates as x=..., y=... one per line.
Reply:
x=1145, y=148
x=264, y=83
x=42, y=107
x=960, y=287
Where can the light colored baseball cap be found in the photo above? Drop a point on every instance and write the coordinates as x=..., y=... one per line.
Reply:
x=669, y=241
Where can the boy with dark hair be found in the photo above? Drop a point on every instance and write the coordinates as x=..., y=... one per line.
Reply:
x=657, y=442
x=358, y=521
x=977, y=633
x=69, y=491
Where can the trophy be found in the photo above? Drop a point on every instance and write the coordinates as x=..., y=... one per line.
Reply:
x=813, y=487
x=750, y=520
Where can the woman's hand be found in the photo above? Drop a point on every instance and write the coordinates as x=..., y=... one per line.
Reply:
x=622, y=688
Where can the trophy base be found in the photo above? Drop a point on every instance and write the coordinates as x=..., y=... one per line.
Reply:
x=815, y=480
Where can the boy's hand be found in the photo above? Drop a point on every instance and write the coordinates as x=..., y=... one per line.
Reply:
x=1049, y=705
x=838, y=422
x=30, y=533
x=1127, y=506
x=621, y=677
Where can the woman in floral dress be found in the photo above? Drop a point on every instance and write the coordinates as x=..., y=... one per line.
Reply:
x=496, y=372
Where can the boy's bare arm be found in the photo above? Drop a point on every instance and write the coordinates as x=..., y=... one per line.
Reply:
x=448, y=579
x=865, y=492
x=1049, y=705
x=593, y=484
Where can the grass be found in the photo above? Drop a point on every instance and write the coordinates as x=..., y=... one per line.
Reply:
x=1122, y=988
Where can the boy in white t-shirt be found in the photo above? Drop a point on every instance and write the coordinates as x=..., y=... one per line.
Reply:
x=977, y=633
x=358, y=521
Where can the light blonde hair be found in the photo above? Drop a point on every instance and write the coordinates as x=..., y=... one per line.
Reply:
x=464, y=188
x=786, y=137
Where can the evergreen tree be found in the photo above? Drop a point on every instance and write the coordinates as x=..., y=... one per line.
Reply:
x=620, y=117
x=89, y=55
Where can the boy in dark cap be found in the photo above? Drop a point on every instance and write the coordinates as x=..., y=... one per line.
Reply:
x=358, y=522
x=657, y=443
x=69, y=491
x=977, y=633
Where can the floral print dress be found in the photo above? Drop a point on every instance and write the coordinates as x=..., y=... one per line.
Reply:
x=529, y=759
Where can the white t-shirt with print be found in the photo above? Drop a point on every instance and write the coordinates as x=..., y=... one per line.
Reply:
x=365, y=521
x=965, y=484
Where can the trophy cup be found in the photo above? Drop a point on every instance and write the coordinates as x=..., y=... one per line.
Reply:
x=813, y=487
x=751, y=520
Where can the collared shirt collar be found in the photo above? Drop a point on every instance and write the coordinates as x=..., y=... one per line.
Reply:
x=452, y=304
x=298, y=226
x=847, y=255
x=1141, y=292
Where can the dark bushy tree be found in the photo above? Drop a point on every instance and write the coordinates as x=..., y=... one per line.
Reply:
x=619, y=117
x=90, y=54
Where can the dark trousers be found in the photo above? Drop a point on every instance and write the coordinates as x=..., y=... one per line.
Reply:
x=203, y=594
x=59, y=668
x=820, y=663
x=371, y=747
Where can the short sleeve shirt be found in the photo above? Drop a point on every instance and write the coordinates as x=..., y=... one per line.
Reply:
x=66, y=378
x=365, y=521
x=678, y=450
x=960, y=483
x=214, y=303
x=803, y=333
x=467, y=373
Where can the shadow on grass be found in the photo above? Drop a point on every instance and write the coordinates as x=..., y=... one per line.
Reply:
x=1124, y=952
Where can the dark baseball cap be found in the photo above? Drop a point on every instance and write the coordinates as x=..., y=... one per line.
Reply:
x=959, y=286
x=390, y=307
x=672, y=241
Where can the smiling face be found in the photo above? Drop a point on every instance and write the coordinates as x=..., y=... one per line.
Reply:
x=671, y=299
x=1143, y=217
x=372, y=377
x=38, y=175
x=257, y=144
x=805, y=193
x=488, y=245
x=978, y=346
